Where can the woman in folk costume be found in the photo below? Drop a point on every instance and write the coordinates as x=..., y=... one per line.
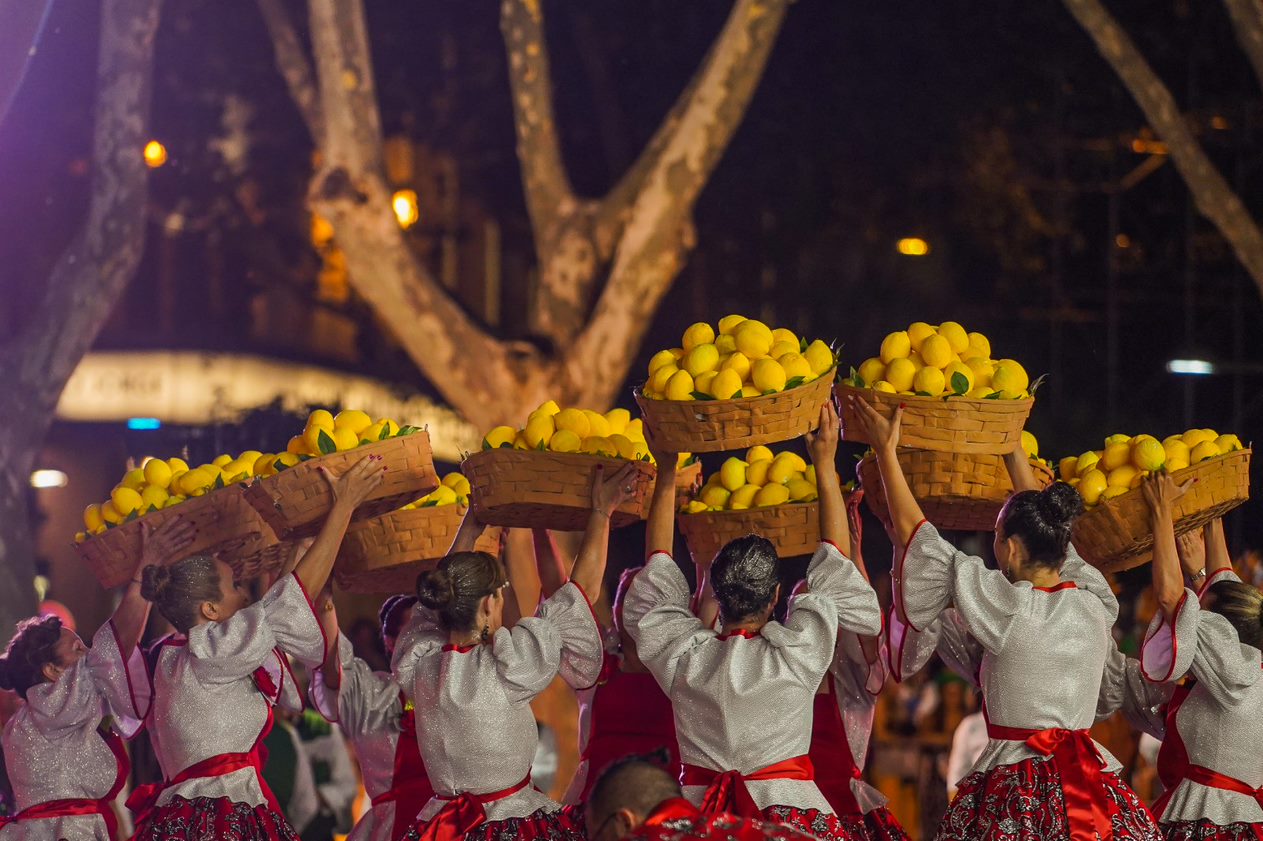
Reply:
x=472, y=681
x=1043, y=621
x=1210, y=631
x=215, y=681
x=379, y=720
x=65, y=769
x=743, y=698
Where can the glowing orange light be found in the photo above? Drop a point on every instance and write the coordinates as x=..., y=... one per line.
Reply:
x=912, y=247
x=1142, y=146
x=155, y=154
x=1220, y=122
x=406, y=210
x=1122, y=241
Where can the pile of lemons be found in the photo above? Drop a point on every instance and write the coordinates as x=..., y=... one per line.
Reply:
x=550, y=428
x=327, y=433
x=454, y=490
x=761, y=480
x=942, y=361
x=1125, y=460
x=741, y=357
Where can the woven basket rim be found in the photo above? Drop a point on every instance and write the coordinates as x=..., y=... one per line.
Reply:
x=1226, y=458
x=830, y=375
x=941, y=400
x=747, y=511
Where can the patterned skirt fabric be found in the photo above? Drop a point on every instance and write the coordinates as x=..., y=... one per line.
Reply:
x=214, y=819
x=1204, y=830
x=1024, y=802
x=563, y=825
x=823, y=825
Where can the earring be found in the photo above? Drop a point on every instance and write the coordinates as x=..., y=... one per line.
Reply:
x=485, y=634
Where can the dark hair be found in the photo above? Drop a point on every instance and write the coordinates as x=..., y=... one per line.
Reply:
x=745, y=576
x=637, y=782
x=454, y=588
x=179, y=590
x=1042, y=520
x=1242, y=605
x=390, y=617
x=32, y=648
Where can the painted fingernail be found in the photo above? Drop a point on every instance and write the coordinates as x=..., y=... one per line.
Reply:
x=903, y=405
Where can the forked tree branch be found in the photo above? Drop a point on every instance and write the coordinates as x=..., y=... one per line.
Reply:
x=294, y=67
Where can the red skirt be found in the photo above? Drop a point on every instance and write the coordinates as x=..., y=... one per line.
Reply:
x=877, y=825
x=214, y=819
x=1024, y=802
x=563, y=825
x=1204, y=830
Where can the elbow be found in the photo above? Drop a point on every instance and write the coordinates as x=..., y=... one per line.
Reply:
x=1169, y=602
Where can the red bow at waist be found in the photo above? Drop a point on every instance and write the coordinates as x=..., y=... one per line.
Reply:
x=74, y=806
x=464, y=812
x=726, y=790
x=1079, y=764
x=1211, y=779
x=145, y=797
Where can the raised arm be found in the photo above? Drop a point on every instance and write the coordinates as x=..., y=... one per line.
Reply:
x=905, y=512
x=1020, y=472
x=1161, y=493
x=608, y=492
x=823, y=446
x=160, y=547
x=331, y=669
x=552, y=569
x=1217, y=556
x=660, y=530
x=349, y=490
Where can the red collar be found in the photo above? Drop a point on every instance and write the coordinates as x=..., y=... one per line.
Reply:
x=739, y=632
x=674, y=809
x=460, y=649
x=1065, y=585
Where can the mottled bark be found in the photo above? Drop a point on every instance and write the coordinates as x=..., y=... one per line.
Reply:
x=1212, y=196
x=293, y=65
x=1247, y=20
x=85, y=283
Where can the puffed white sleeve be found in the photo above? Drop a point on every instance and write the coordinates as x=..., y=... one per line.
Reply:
x=1087, y=577
x=1167, y=651
x=1142, y=701
x=656, y=613
x=121, y=678
x=1205, y=644
x=284, y=618
x=421, y=636
x=561, y=638
x=366, y=702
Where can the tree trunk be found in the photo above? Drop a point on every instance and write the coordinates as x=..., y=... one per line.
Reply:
x=1211, y=194
x=1247, y=20
x=84, y=285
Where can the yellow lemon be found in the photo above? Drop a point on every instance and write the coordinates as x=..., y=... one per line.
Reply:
x=1176, y=463
x=391, y=428
x=729, y=324
x=754, y=339
x=626, y=448
x=134, y=479
x=352, y=419
x=882, y=385
x=918, y=331
x=240, y=467
x=635, y=429
x=748, y=391
x=125, y=499
x=1068, y=468
x=110, y=514
x=1030, y=444
x=784, y=334
x=1176, y=451
x=296, y=446
x=701, y=359
x=715, y=496
x=1112, y=491
x=819, y=357
x=726, y=385
x=1118, y=438
x=618, y=420
x=157, y=473
x=980, y=344
x=739, y=364
x=725, y=345
x=979, y=392
x=702, y=385
x=770, y=495
x=597, y=424
x=658, y=382
x=768, y=375
x=732, y=473
x=1010, y=379
x=982, y=369
x=758, y=453
x=700, y=333
x=443, y=495
x=956, y=336
x=935, y=351
x=1115, y=455
x=1193, y=437
x=900, y=373
x=695, y=506
x=312, y=436
x=565, y=441
x=376, y=432
x=322, y=418
x=958, y=386
x=781, y=469
x=573, y=420
x=795, y=365
x=221, y=460
x=1091, y=485
x=662, y=357
x=680, y=386
x=800, y=490
x=779, y=349
x=178, y=465
x=929, y=380
x=1087, y=461
x=499, y=437
x=796, y=460
x=1147, y=454
x=92, y=518
x=539, y=431
x=756, y=473
x=194, y=480
x=1203, y=451
x=344, y=438
x=285, y=460
x=897, y=345
x=1228, y=443
x=1138, y=479
x=550, y=407
x=599, y=445
x=743, y=497
x=810, y=474
x=153, y=497
x=1122, y=476
x=871, y=370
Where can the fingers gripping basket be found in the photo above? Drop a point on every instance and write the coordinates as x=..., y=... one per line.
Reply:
x=956, y=424
x=793, y=528
x=687, y=481
x=384, y=555
x=956, y=491
x=708, y=426
x=535, y=489
x=296, y=501
x=226, y=525
x=1116, y=534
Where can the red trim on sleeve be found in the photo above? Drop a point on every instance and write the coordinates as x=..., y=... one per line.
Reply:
x=1175, y=643
x=1210, y=579
x=898, y=573
x=460, y=649
x=324, y=638
x=127, y=672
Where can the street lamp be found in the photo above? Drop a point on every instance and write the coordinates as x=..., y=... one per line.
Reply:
x=1191, y=367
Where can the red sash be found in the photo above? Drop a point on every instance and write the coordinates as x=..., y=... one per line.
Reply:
x=1079, y=763
x=831, y=753
x=71, y=807
x=726, y=790
x=410, y=789
x=464, y=812
x=1174, y=766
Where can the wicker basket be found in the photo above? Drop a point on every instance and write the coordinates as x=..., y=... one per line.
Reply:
x=794, y=528
x=957, y=424
x=708, y=426
x=687, y=481
x=383, y=556
x=534, y=489
x=1116, y=534
x=295, y=501
x=227, y=526
x=956, y=491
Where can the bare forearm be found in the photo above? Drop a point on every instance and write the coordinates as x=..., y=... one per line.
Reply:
x=130, y=617
x=707, y=604
x=552, y=570
x=1020, y=471
x=660, y=531
x=833, y=524
x=524, y=584
x=589, y=568
x=1168, y=582
x=1217, y=555
x=313, y=570
x=905, y=512
x=468, y=533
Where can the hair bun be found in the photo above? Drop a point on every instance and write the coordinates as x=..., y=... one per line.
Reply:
x=1059, y=504
x=153, y=580
x=435, y=590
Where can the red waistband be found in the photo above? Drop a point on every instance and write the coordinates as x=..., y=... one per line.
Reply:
x=67, y=808
x=145, y=797
x=1079, y=763
x=490, y=797
x=463, y=813
x=726, y=790
x=1211, y=779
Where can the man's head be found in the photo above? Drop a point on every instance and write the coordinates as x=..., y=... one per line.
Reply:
x=626, y=793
